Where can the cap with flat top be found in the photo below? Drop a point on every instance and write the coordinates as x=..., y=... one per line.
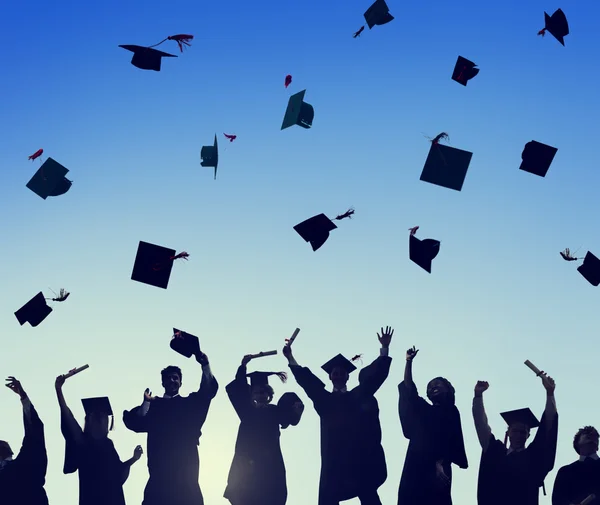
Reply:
x=339, y=361
x=315, y=230
x=298, y=112
x=378, y=14
x=153, y=265
x=520, y=416
x=590, y=269
x=50, y=180
x=464, y=71
x=147, y=58
x=209, y=156
x=423, y=252
x=446, y=166
x=184, y=343
x=34, y=311
x=537, y=158
x=259, y=379
x=557, y=25
x=99, y=405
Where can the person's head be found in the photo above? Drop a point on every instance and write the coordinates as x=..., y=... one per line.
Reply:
x=5, y=450
x=585, y=441
x=518, y=434
x=97, y=425
x=440, y=391
x=171, y=380
x=262, y=392
x=339, y=377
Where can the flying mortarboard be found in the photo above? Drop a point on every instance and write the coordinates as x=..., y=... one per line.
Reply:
x=464, y=71
x=34, y=311
x=378, y=14
x=557, y=25
x=146, y=58
x=184, y=343
x=590, y=269
x=50, y=180
x=339, y=361
x=286, y=405
x=316, y=229
x=422, y=252
x=537, y=158
x=298, y=112
x=153, y=264
x=258, y=379
x=521, y=416
x=209, y=156
x=446, y=166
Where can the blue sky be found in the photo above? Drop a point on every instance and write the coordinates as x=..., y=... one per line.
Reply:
x=499, y=292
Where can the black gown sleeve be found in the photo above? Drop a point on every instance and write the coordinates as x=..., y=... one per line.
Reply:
x=374, y=375
x=544, y=446
x=239, y=394
x=312, y=385
x=134, y=421
x=411, y=408
x=32, y=456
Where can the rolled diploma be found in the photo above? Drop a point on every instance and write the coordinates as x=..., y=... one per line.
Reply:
x=535, y=369
x=263, y=354
x=293, y=337
x=588, y=499
x=76, y=371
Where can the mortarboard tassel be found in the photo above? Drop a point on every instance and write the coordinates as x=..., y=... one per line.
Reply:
x=61, y=297
x=231, y=138
x=441, y=136
x=542, y=32
x=183, y=255
x=288, y=80
x=282, y=376
x=566, y=254
x=357, y=34
x=505, y=439
x=356, y=358
x=180, y=39
x=346, y=214
x=413, y=230
x=36, y=154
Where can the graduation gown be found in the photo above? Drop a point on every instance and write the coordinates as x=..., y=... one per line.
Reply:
x=435, y=433
x=22, y=479
x=257, y=474
x=516, y=478
x=352, y=458
x=575, y=482
x=174, y=427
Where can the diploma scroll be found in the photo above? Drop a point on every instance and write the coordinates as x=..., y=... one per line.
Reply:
x=262, y=354
x=535, y=369
x=75, y=371
x=293, y=337
x=589, y=499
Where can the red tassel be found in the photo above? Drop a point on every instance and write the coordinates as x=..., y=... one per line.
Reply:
x=181, y=39
x=542, y=32
x=441, y=136
x=36, y=154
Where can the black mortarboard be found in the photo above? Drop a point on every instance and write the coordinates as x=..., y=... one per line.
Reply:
x=557, y=25
x=147, y=58
x=34, y=311
x=286, y=406
x=464, y=70
x=522, y=416
x=153, y=265
x=537, y=158
x=100, y=405
x=339, y=361
x=590, y=269
x=50, y=180
x=446, y=166
x=422, y=252
x=315, y=230
x=184, y=343
x=258, y=379
x=209, y=156
x=298, y=112
x=378, y=14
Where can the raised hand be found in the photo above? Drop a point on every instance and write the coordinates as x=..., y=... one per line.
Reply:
x=148, y=395
x=59, y=382
x=137, y=452
x=411, y=353
x=287, y=351
x=386, y=336
x=481, y=387
x=246, y=359
x=548, y=382
x=202, y=358
x=15, y=385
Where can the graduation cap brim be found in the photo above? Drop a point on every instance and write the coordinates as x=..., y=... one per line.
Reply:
x=464, y=71
x=186, y=344
x=49, y=180
x=446, y=166
x=378, y=14
x=209, y=156
x=520, y=416
x=298, y=112
x=100, y=405
x=34, y=311
x=590, y=269
x=315, y=230
x=339, y=361
x=153, y=265
x=147, y=58
x=423, y=252
x=557, y=25
x=537, y=158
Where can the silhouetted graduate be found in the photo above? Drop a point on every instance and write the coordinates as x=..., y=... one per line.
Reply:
x=446, y=166
x=22, y=478
x=257, y=473
x=91, y=453
x=515, y=474
x=174, y=426
x=352, y=458
x=436, y=440
x=575, y=482
x=589, y=269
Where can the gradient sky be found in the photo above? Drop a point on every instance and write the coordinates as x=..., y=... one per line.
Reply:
x=499, y=292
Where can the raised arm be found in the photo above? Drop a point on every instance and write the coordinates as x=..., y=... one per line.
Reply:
x=484, y=432
x=312, y=385
x=373, y=376
x=69, y=426
x=208, y=384
x=136, y=419
x=126, y=465
x=410, y=355
x=239, y=392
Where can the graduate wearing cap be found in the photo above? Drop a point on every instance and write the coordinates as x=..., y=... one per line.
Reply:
x=352, y=458
x=515, y=473
x=91, y=453
x=575, y=482
x=22, y=478
x=257, y=473
x=174, y=426
x=436, y=440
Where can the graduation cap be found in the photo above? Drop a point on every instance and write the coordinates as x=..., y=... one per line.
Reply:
x=50, y=180
x=446, y=166
x=537, y=158
x=259, y=379
x=298, y=112
x=146, y=58
x=557, y=25
x=521, y=416
x=153, y=264
x=209, y=156
x=316, y=229
x=378, y=14
x=184, y=343
x=339, y=361
x=34, y=311
x=99, y=405
x=286, y=407
x=590, y=269
x=422, y=252
x=464, y=71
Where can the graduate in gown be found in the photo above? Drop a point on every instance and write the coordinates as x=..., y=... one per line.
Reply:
x=352, y=458
x=174, y=426
x=257, y=475
x=436, y=440
x=22, y=478
x=514, y=475
x=575, y=482
x=91, y=453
